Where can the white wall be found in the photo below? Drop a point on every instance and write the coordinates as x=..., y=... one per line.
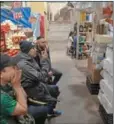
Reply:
x=55, y=7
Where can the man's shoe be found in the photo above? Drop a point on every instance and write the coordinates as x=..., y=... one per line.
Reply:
x=55, y=114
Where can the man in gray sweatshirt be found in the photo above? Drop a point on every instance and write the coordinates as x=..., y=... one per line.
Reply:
x=34, y=78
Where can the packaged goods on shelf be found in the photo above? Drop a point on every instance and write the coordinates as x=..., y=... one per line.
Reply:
x=17, y=37
x=108, y=66
x=106, y=84
x=97, y=57
x=107, y=89
x=12, y=52
x=106, y=76
x=5, y=28
x=100, y=49
x=2, y=42
x=12, y=41
x=107, y=39
x=109, y=53
x=104, y=101
x=10, y=23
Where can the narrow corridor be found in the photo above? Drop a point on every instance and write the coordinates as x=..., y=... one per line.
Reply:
x=78, y=106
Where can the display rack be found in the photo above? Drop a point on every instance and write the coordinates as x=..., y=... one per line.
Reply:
x=80, y=45
x=102, y=57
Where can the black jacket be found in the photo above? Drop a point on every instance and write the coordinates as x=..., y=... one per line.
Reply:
x=32, y=74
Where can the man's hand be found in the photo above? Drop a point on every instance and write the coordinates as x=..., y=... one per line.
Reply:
x=44, y=54
x=50, y=73
x=16, y=78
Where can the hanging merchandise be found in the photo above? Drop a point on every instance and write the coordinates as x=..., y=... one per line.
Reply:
x=35, y=21
x=5, y=28
x=12, y=52
x=2, y=41
x=85, y=28
x=109, y=20
x=81, y=28
x=18, y=16
x=87, y=17
x=90, y=17
x=42, y=29
x=107, y=11
x=82, y=16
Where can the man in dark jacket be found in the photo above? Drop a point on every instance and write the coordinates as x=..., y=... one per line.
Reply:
x=42, y=46
x=34, y=78
x=13, y=99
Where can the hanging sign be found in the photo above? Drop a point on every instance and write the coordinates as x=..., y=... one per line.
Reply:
x=17, y=16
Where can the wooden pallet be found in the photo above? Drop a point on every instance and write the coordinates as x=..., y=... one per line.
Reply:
x=107, y=118
x=92, y=87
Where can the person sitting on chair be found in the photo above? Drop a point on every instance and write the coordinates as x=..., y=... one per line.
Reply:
x=11, y=107
x=34, y=78
x=14, y=101
x=41, y=44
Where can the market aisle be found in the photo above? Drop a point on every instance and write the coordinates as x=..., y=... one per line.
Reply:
x=78, y=105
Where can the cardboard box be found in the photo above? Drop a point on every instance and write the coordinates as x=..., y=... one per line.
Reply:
x=96, y=77
x=95, y=74
x=89, y=64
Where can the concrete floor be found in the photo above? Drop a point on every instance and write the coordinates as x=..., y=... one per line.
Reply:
x=78, y=106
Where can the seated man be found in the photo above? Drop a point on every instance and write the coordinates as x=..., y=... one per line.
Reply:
x=11, y=107
x=34, y=78
x=41, y=46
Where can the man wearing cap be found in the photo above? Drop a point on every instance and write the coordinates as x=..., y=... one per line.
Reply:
x=10, y=106
x=34, y=78
x=9, y=72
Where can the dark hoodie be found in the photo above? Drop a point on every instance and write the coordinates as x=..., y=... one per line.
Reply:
x=32, y=74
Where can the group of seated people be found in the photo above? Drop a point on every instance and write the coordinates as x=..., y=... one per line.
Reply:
x=28, y=84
